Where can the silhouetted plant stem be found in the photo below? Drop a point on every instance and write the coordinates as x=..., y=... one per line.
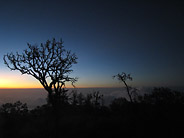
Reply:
x=122, y=78
x=128, y=91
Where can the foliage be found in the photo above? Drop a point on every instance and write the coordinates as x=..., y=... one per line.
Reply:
x=118, y=103
x=159, y=113
x=163, y=96
x=14, y=108
x=94, y=99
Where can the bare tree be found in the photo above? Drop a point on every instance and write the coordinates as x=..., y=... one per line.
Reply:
x=123, y=77
x=49, y=63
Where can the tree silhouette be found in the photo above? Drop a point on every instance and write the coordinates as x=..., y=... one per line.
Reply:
x=122, y=78
x=15, y=108
x=50, y=64
x=163, y=96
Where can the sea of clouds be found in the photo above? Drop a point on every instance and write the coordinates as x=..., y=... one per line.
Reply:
x=37, y=97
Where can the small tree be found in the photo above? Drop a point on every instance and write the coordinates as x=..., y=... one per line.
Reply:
x=50, y=64
x=123, y=77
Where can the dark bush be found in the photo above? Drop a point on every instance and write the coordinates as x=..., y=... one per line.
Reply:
x=14, y=108
x=163, y=96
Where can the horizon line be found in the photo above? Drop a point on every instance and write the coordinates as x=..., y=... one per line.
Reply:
x=90, y=87
x=66, y=88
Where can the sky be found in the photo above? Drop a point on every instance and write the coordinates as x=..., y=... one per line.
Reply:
x=108, y=36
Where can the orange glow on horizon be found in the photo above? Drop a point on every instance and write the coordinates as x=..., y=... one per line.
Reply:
x=6, y=83
x=17, y=81
x=14, y=82
x=23, y=82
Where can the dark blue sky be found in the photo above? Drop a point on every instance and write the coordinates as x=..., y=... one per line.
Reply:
x=109, y=36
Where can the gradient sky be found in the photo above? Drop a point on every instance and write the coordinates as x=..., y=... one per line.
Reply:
x=145, y=39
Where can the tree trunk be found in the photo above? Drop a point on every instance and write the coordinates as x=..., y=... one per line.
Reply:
x=130, y=96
